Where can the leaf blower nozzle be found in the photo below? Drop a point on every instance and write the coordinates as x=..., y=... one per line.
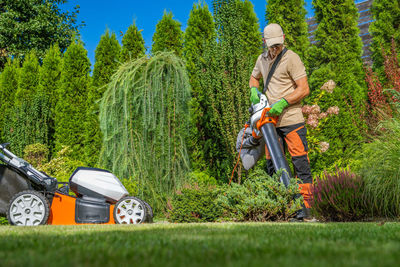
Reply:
x=265, y=124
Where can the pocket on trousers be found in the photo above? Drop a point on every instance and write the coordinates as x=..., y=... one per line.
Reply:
x=302, y=134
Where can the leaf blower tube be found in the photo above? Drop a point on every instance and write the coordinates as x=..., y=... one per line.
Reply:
x=262, y=122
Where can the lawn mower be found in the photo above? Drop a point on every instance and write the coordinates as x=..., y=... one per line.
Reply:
x=92, y=196
x=261, y=127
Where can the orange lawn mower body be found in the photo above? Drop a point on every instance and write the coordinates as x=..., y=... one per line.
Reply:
x=92, y=196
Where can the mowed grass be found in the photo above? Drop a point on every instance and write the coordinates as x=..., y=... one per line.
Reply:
x=224, y=244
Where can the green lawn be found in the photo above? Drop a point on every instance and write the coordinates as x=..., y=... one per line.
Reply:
x=227, y=244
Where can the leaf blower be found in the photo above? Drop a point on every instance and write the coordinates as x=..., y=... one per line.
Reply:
x=262, y=129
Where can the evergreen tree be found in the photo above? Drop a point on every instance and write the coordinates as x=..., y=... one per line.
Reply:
x=386, y=25
x=250, y=29
x=224, y=75
x=28, y=121
x=337, y=34
x=28, y=79
x=144, y=118
x=71, y=106
x=49, y=81
x=337, y=56
x=106, y=56
x=200, y=30
x=168, y=35
x=132, y=44
x=50, y=74
x=8, y=87
x=290, y=15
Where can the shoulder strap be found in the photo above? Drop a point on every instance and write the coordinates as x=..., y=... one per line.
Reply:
x=272, y=70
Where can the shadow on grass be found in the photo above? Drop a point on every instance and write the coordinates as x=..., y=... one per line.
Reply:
x=255, y=244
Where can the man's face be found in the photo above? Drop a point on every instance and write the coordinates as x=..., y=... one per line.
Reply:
x=274, y=50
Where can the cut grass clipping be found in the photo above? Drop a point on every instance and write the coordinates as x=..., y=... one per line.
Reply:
x=231, y=244
x=144, y=121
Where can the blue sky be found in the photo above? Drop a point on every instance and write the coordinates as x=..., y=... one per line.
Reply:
x=118, y=15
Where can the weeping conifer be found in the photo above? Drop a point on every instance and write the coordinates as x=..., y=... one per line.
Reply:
x=132, y=44
x=224, y=77
x=71, y=106
x=106, y=56
x=337, y=56
x=200, y=30
x=168, y=35
x=386, y=25
x=291, y=16
x=8, y=87
x=144, y=121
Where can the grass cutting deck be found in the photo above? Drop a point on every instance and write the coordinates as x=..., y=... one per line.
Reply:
x=225, y=244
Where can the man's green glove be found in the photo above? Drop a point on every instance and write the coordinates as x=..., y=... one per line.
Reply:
x=254, y=95
x=278, y=107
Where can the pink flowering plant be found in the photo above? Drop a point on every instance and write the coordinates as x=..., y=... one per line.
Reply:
x=315, y=118
x=337, y=196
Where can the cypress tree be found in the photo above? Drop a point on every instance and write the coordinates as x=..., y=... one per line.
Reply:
x=50, y=74
x=72, y=98
x=200, y=30
x=337, y=34
x=250, y=29
x=386, y=25
x=106, y=56
x=337, y=56
x=290, y=15
x=28, y=79
x=8, y=87
x=28, y=121
x=49, y=81
x=132, y=44
x=224, y=76
x=168, y=35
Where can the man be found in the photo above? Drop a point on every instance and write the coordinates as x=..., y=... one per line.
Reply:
x=287, y=87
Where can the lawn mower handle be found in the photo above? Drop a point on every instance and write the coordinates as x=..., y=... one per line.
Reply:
x=7, y=153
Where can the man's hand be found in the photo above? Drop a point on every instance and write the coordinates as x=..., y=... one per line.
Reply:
x=278, y=107
x=254, y=95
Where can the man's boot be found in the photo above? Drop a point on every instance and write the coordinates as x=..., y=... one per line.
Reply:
x=303, y=215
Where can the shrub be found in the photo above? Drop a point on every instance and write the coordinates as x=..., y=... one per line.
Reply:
x=3, y=221
x=62, y=166
x=260, y=198
x=131, y=185
x=202, y=178
x=36, y=154
x=194, y=203
x=338, y=196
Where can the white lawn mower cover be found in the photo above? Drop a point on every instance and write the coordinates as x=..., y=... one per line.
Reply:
x=97, y=183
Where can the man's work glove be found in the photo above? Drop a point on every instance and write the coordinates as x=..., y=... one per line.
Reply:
x=254, y=95
x=278, y=107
